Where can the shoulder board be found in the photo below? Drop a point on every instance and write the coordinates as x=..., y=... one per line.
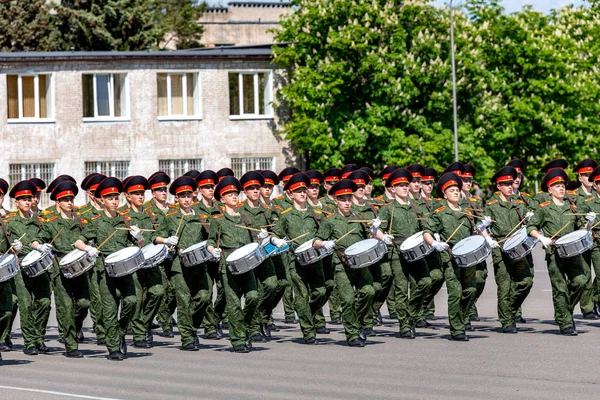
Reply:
x=284, y=211
x=442, y=208
x=519, y=201
x=203, y=216
x=279, y=197
x=240, y=204
x=172, y=213
x=318, y=211
x=84, y=221
x=277, y=207
x=571, y=191
x=148, y=208
x=489, y=203
x=50, y=219
x=477, y=197
x=473, y=199
x=218, y=216
x=10, y=215
x=77, y=207
x=126, y=211
x=497, y=192
x=525, y=194
x=173, y=205
x=588, y=199
x=95, y=217
x=330, y=215
x=544, y=204
x=380, y=197
x=46, y=212
x=222, y=208
x=128, y=218
x=83, y=212
x=266, y=207
x=574, y=206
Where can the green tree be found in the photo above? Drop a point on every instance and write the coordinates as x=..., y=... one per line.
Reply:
x=24, y=25
x=177, y=23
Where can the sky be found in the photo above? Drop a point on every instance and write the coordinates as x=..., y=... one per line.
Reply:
x=509, y=5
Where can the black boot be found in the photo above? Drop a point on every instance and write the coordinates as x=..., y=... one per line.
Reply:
x=115, y=356
x=265, y=331
x=80, y=337
x=74, y=354
x=123, y=346
x=356, y=343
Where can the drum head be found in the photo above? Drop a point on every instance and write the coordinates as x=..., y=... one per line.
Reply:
x=573, y=236
x=32, y=257
x=122, y=254
x=304, y=246
x=242, y=252
x=6, y=259
x=515, y=239
x=361, y=247
x=412, y=241
x=194, y=247
x=467, y=245
x=71, y=256
x=152, y=250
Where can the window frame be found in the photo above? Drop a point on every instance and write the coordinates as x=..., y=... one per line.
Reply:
x=197, y=96
x=171, y=169
x=36, y=88
x=268, y=105
x=111, y=165
x=111, y=117
x=45, y=201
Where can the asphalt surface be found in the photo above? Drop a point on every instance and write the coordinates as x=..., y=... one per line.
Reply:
x=536, y=363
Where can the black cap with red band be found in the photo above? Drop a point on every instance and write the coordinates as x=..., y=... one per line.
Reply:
x=63, y=189
x=252, y=178
x=400, y=175
x=22, y=189
x=183, y=184
x=226, y=185
x=446, y=181
x=159, y=180
x=342, y=188
x=207, y=177
x=136, y=183
x=108, y=186
x=297, y=181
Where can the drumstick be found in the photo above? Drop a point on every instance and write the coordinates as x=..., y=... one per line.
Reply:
x=346, y=234
x=595, y=225
x=474, y=209
x=61, y=229
x=391, y=220
x=11, y=246
x=364, y=220
x=297, y=237
x=514, y=229
x=473, y=215
x=268, y=226
x=141, y=230
x=106, y=240
x=247, y=227
x=579, y=214
x=179, y=226
x=456, y=230
x=560, y=230
x=219, y=238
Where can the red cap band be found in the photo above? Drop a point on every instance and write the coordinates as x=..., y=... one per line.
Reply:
x=556, y=179
x=518, y=169
x=184, y=188
x=416, y=174
x=135, y=188
x=65, y=193
x=39, y=189
x=342, y=192
x=297, y=185
x=504, y=178
x=269, y=182
x=448, y=184
x=251, y=182
x=579, y=171
x=597, y=178
x=22, y=193
x=205, y=182
x=457, y=172
x=345, y=174
x=110, y=190
x=467, y=175
x=385, y=176
x=427, y=178
x=315, y=181
x=228, y=188
x=93, y=187
x=332, y=178
x=158, y=185
x=286, y=178
x=359, y=181
x=401, y=179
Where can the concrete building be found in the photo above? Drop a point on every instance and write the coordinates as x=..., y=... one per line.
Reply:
x=125, y=113
x=242, y=23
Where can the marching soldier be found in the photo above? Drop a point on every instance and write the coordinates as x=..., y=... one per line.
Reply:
x=40, y=185
x=312, y=192
x=330, y=178
x=369, y=185
x=519, y=166
x=589, y=205
x=6, y=288
x=388, y=194
x=559, y=163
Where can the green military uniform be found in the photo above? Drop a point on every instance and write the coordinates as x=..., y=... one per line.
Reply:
x=308, y=281
x=112, y=290
x=405, y=223
x=71, y=296
x=592, y=257
x=460, y=282
x=33, y=293
x=355, y=286
x=191, y=283
x=513, y=277
x=6, y=299
x=329, y=207
x=224, y=234
x=567, y=276
x=283, y=202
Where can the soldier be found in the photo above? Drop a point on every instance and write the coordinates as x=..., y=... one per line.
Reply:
x=400, y=221
x=3, y=191
x=348, y=169
x=40, y=186
x=71, y=295
x=110, y=230
x=593, y=204
x=355, y=286
x=224, y=237
x=312, y=192
x=330, y=178
x=309, y=280
x=33, y=293
x=369, y=185
x=519, y=166
x=513, y=277
x=223, y=172
x=552, y=220
x=181, y=229
x=559, y=163
x=6, y=287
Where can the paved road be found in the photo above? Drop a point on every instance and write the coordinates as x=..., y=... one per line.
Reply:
x=537, y=363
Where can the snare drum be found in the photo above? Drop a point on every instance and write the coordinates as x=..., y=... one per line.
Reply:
x=36, y=263
x=415, y=247
x=195, y=255
x=269, y=249
x=8, y=267
x=75, y=263
x=306, y=254
x=519, y=245
x=154, y=254
x=471, y=251
x=364, y=253
x=245, y=259
x=574, y=243
x=124, y=262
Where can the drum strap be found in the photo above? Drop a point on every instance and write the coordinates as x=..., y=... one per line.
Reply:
x=426, y=204
x=152, y=219
x=126, y=222
x=5, y=231
x=316, y=218
x=415, y=209
x=373, y=210
x=362, y=223
x=248, y=225
x=76, y=217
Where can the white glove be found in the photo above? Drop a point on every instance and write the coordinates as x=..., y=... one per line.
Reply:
x=486, y=221
x=263, y=234
x=546, y=242
x=374, y=231
x=171, y=241
x=388, y=239
x=136, y=233
x=437, y=237
x=590, y=217
x=278, y=242
x=92, y=251
x=329, y=244
x=44, y=248
x=376, y=223
x=528, y=216
x=17, y=245
x=439, y=246
x=493, y=244
x=217, y=253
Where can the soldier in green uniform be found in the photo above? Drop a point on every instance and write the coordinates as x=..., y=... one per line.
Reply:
x=148, y=280
x=355, y=286
x=6, y=287
x=559, y=163
x=552, y=220
x=71, y=295
x=182, y=228
x=400, y=221
x=40, y=185
x=369, y=185
x=519, y=166
x=225, y=236
x=33, y=293
x=513, y=277
x=158, y=207
x=593, y=204
x=452, y=224
x=309, y=280
x=110, y=232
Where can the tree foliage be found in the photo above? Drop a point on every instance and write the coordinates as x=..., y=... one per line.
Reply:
x=369, y=81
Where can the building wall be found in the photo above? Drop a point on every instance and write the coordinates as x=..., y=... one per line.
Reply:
x=69, y=142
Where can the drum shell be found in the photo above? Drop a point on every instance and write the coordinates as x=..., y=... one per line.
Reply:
x=157, y=259
x=195, y=257
x=568, y=250
x=311, y=255
x=246, y=263
x=522, y=249
x=124, y=267
x=39, y=266
x=269, y=249
x=476, y=256
x=77, y=267
x=9, y=268
x=418, y=251
x=368, y=257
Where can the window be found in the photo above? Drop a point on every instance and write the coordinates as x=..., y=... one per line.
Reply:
x=118, y=169
x=176, y=168
x=105, y=96
x=21, y=172
x=30, y=97
x=250, y=94
x=242, y=165
x=178, y=95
